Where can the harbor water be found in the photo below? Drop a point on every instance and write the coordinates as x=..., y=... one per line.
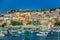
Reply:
x=31, y=36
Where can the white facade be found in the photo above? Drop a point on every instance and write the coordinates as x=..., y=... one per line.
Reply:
x=1, y=18
x=7, y=16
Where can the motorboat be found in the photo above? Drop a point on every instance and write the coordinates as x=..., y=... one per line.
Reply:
x=32, y=31
x=56, y=29
x=1, y=35
x=42, y=34
x=19, y=32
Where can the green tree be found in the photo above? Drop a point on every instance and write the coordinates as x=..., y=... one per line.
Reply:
x=16, y=23
x=3, y=25
x=12, y=11
x=36, y=22
x=59, y=12
x=57, y=23
x=30, y=22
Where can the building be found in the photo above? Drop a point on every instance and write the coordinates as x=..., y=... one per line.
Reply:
x=1, y=19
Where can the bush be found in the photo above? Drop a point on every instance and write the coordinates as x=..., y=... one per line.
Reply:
x=34, y=22
x=3, y=25
x=57, y=23
x=16, y=23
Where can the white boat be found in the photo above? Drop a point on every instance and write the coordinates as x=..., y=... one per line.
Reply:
x=1, y=35
x=56, y=29
x=4, y=32
x=19, y=32
x=36, y=31
x=32, y=31
x=23, y=31
x=42, y=34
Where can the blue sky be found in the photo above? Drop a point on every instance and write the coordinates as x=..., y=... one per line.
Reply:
x=6, y=5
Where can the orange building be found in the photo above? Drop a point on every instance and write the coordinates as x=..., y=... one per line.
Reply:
x=24, y=21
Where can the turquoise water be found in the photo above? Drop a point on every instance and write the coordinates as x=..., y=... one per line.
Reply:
x=31, y=36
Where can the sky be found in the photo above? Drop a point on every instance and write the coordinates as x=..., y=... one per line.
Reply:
x=6, y=5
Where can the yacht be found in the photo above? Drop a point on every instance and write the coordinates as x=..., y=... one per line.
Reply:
x=19, y=32
x=42, y=34
x=56, y=29
x=32, y=31
x=1, y=35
